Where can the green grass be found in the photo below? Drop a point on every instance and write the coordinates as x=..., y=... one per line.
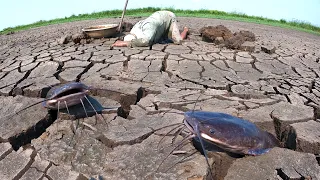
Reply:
x=297, y=25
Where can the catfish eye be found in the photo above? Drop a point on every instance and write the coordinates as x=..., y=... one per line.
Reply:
x=211, y=131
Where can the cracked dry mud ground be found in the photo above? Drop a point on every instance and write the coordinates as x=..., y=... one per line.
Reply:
x=278, y=92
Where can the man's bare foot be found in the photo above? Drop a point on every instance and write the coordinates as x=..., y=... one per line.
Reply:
x=184, y=33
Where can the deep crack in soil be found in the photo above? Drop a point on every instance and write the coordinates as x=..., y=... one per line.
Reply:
x=33, y=132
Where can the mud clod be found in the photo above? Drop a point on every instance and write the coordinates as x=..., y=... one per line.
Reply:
x=236, y=41
x=215, y=33
x=76, y=38
x=222, y=36
x=65, y=39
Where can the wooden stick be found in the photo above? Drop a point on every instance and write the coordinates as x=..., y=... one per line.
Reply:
x=123, y=12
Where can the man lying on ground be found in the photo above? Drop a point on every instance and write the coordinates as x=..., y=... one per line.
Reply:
x=161, y=25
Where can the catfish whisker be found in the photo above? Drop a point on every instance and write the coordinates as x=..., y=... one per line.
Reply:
x=65, y=103
x=58, y=114
x=168, y=133
x=154, y=130
x=182, y=159
x=195, y=104
x=177, y=134
x=84, y=108
x=184, y=140
x=92, y=108
x=165, y=112
x=95, y=111
x=16, y=113
x=67, y=107
x=181, y=144
x=77, y=124
x=197, y=131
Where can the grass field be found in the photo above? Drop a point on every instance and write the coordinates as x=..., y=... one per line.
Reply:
x=297, y=25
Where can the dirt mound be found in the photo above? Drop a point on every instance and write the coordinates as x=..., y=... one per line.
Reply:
x=222, y=36
x=215, y=33
x=236, y=41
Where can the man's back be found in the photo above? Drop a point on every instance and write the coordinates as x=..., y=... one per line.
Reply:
x=159, y=26
x=153, y=28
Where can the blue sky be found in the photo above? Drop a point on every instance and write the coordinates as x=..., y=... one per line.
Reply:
x=19, y=12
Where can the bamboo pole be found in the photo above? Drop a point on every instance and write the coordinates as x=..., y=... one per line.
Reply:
x=123, y=12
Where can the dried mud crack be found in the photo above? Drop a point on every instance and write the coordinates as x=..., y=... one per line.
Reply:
x=111, y=144
x=33, y=132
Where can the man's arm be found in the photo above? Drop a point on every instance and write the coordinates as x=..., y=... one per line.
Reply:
x=133, y=43
x=120, y=43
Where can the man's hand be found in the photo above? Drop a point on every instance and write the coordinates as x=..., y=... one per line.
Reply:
x=119, y=43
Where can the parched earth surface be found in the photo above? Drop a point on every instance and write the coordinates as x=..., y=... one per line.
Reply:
x=279, y=92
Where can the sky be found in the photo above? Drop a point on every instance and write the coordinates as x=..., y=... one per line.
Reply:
x=21, y=12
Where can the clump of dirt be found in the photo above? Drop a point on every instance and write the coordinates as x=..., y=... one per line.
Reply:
x=76, y=38
x=215, y=33
x=239, y=38
x=223, y=37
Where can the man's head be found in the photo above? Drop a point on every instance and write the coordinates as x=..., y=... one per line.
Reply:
x=126, y=26
x=175, y=34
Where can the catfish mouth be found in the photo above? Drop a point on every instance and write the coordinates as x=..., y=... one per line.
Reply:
x=71, y=92
x=68, y=98
x=189, y=124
